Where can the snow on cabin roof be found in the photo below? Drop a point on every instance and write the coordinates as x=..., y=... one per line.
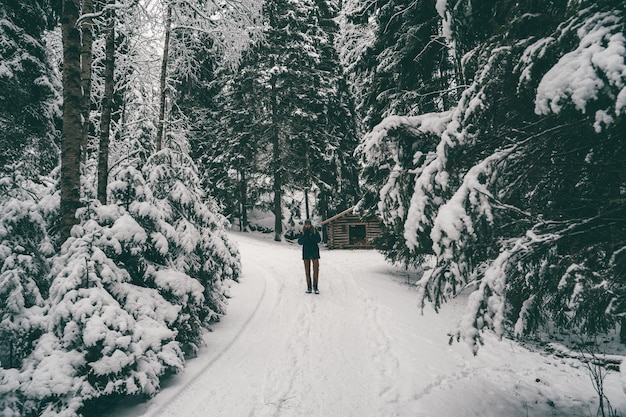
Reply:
x=336, y=216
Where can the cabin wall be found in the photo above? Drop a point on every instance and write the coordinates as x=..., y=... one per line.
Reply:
x=339, y=237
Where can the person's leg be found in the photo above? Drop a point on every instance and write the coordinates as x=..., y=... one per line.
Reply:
x=316, y=272
x=307, y=272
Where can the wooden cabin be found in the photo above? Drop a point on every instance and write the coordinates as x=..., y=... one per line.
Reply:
x=346, y=230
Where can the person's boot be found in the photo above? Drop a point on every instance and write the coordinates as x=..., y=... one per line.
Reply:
x=308, y=284
x=315, y=285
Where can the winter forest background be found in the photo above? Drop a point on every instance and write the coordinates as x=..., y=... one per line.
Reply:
x=488, y=136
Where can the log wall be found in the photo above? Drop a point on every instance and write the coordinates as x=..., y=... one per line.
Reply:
x=340, y=237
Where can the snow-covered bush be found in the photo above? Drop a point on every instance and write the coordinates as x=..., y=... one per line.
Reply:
x=105, y=335
x=76, y=328
x=115, y=309
x=24, y=248
x=198, y=228
x=175, y=242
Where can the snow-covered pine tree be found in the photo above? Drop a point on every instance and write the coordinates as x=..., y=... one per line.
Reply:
x=408, y=73
x=357, y=33
x=523, y=196
x=104, y=335
x=132, y=288
x=186, y=254
x=274, y=60
x=29, y=103
x=522, y=193
x=201, y=249
x=412, y=69
x=232, y=146
x=24, y=251
x=29, y=115
x=392, y=155
x=147, y=253
x=290, y=96
x=324, y=127
x=195, y=30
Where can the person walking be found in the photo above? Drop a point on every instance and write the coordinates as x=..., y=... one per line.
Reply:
x=309, y=238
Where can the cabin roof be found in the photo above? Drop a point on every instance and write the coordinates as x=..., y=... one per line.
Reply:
x=342, y=214
x=336, y=216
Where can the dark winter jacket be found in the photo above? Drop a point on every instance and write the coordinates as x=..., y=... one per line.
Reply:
x=309, y=240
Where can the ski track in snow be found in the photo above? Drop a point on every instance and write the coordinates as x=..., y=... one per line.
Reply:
x=361, y=348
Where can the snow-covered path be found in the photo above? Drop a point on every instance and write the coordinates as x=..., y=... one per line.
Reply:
x=361, y=348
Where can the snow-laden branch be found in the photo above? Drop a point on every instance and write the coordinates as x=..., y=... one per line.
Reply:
x=380, y=148
x=453, y=220
x=398, y=13
x=433, y=39
x=594, y=69
x=208, y=18
x=88, y=17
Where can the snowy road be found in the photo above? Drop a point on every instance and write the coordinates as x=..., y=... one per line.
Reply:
x=361, y=348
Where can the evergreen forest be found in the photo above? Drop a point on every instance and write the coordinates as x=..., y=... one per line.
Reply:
x=488, y=135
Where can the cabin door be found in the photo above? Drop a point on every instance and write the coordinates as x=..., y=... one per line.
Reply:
x=357, y=234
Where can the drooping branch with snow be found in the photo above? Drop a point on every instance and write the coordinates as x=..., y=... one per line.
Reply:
x=521, y=198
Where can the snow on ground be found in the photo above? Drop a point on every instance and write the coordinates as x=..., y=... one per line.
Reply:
x=361, y=348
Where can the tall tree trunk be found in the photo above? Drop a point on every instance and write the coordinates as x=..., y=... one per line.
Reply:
x=322, y=210
x=276, y=165
x=244, y=200
x=163, y=84
x=107, y=104
x=86, y=59
x=307, y=184
x=71, y=138
x=306, y=203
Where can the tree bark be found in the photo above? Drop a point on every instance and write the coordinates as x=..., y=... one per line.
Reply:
x=306, y=203
x=163, y=84
x=322, y=210
x=307, y=184
x=276, y=165
x=71, y=137
x=86, y=59
x=244, y=200
x=105, y=120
